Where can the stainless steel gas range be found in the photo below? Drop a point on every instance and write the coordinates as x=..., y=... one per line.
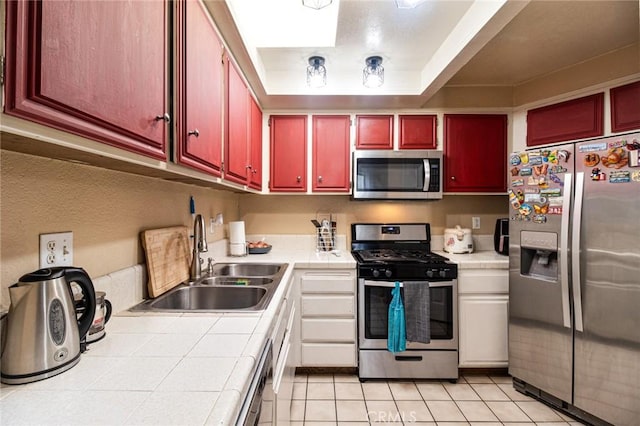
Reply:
x=387, y=253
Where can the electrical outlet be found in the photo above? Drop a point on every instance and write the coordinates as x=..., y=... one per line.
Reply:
x=475, y=222
x=56, y=249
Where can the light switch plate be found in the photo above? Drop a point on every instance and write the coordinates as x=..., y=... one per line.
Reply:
x=56, y=249
x=475, y=222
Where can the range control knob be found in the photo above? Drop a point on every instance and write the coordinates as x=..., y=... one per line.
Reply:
x=443, y=273
x=387, y=273
x=376, y=273
x=430, y=273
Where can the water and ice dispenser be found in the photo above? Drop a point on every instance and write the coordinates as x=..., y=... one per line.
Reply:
x=539, y=255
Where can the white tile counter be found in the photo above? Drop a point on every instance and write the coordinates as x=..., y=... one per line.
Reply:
x=485, y=259
x=165, y=369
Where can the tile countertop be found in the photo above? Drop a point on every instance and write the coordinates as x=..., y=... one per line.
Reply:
x=165, y=369
x=484, y=259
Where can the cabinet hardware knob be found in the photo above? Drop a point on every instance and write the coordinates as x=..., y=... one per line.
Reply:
x=164, y=117
x=298, y=179
x=254, y=171
x=320, y=179
x=453, y=178
x=194, y=132
x=249, y=167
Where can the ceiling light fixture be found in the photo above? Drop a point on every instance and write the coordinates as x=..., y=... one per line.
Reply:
x=373, y=73
x=316, y=72
x=316, y=4
x=408, y=4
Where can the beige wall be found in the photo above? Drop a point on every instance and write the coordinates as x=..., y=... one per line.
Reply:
x=106, y=210
x=291, y=214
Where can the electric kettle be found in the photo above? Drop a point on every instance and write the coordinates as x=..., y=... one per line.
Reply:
x=43, y=333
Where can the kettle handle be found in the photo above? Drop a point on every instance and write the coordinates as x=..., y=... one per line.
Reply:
x=79, y=276
x=107, y=315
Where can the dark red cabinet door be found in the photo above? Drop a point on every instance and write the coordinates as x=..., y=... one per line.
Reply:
x=331, y=153
x=255, y=130
x=417, y=132
x=374, y=131
x=94, y=68
x=237, y=126
x=199, y=79
x=565, y=121
x=288, y=153
x=625, y=107
x=475, y=153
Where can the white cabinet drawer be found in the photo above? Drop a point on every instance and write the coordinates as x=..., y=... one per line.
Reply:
x=328, y=306
x=328, y=283
x=328, y=355
x=329, y=330
x=483, y=281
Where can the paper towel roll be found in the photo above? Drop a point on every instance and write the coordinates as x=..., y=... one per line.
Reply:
x=236, y=233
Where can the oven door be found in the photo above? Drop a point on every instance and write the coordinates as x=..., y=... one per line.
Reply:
x=374, y=298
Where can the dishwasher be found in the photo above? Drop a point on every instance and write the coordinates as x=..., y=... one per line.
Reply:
x=252, y=407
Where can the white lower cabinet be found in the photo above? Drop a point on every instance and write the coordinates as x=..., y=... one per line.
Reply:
x=483, y=313
x=327, y=318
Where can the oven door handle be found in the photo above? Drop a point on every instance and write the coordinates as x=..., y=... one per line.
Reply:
x=369, y=283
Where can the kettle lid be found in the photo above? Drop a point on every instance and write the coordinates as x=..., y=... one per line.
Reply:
x=43, y=274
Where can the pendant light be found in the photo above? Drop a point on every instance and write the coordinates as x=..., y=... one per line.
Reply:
x=316, y=72
x=373, y=73
x=316, y=4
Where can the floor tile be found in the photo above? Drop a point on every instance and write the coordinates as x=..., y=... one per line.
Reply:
x=452, y=423
x=300, y=378
x=349, y=378
x=507, y=411
x=376, y=391
x=299, y=390
x=489, y=392
x=297, y=410
x=348, y=411
x=502, y=379
x=445, y=411
x=319, y=423
x=433, y=392
x=476, y=411
x=414, y=411
x=320, y=378
x=346, y=391
x=487, y=424
x=538, y=412
x=382, y=412
x=461, y=392
x=319, y=390
x=478, y=379
x=404, y=391
x=318, y=410
x=513, y=394
x=353, y=423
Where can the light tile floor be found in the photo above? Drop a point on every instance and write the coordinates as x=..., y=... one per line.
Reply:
x=341, y=400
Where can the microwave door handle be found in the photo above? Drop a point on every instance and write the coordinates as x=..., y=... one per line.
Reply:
x=427, y=174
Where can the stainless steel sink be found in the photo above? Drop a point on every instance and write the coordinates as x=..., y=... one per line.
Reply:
x=233, y=287
x=211, y=298
x=247, y=269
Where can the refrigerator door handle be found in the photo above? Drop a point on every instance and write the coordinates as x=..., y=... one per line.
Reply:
x=575, y=250
x=564, y=251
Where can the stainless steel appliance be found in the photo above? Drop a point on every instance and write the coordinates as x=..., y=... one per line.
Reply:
x=43, y=333
x=501, y=236
x=254, y=411
x=574, y=277
x=387, y=253
x=389, y=175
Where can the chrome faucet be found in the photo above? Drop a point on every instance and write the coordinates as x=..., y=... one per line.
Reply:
x=199, y=246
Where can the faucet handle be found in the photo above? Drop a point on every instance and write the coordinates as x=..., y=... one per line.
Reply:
x=210, y=266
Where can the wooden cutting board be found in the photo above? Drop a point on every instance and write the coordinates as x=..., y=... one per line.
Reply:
x=168, y=256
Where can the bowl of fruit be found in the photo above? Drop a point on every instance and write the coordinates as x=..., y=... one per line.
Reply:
x=258, y=247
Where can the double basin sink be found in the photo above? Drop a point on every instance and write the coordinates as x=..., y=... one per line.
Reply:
x=230, y=287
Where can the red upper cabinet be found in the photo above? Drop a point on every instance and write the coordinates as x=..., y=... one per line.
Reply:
x=331, y=153
x=288, y=153
x=625, y=107
x=417, y=132
x=96, y=69
x=475, y=153
x=565, y=121
x=199, y=76
x=238, y=120
x=374, y=131
x=255, y=138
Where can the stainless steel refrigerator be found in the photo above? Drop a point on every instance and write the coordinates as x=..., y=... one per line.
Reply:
x=574, y=277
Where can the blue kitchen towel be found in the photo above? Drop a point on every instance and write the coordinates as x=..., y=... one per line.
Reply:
x=396, y=336
x=417, y=317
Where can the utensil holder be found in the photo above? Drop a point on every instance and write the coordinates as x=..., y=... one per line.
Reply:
x=326, y=233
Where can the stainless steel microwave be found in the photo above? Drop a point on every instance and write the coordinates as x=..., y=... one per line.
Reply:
x=397, y=175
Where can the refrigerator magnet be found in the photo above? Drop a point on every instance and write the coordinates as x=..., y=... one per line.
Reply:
x=635, y=176
x=620, y=176
x=539, y=218
x=515, y=160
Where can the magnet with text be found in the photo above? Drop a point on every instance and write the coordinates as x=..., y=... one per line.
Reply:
x=592, y=147
x=526, y=171
x=535, y=161
x=620, y=176
x=551, y=192
x=554, y=170
x=555, y=210
x=517, y=182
